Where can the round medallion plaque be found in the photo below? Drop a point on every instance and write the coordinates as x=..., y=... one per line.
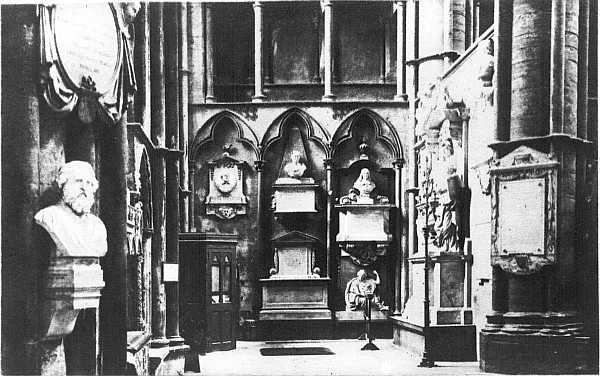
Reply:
x=88, y=44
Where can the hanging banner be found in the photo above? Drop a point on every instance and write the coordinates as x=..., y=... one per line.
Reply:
x=86, y=59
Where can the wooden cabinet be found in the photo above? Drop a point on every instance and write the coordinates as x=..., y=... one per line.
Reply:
x=208, y=290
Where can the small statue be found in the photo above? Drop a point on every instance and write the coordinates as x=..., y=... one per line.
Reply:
x=75, y=231
x=361, y=288
x=294, y=168
x=448, y=187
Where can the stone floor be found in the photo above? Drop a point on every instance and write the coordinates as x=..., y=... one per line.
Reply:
x=348, y=360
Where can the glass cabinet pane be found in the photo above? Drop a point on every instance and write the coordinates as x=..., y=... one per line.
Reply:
x=215, y=274
x=226, y=280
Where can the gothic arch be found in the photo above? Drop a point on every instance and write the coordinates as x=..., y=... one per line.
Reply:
x=315, y=132
x=209, y=134
x=380, y=134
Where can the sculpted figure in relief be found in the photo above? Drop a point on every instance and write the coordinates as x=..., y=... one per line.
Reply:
x=448, y=189
x=75, y=231
x=226, y=178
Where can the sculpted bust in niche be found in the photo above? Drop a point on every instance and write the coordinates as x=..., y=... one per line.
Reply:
x=363, y=184
x=293, y=171
x=294, y=168
x=362, y=191
x=75, y=231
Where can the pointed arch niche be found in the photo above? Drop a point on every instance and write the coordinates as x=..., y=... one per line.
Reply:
x=295, y=130
x=295, y=180
x=223, y=138
x=365, y=140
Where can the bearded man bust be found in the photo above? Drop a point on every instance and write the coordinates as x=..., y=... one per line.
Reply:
x=75, y=231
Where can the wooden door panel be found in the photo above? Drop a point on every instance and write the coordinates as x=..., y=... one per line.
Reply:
x=222, y=305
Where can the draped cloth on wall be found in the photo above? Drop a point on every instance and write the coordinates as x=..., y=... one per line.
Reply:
x=63, y=94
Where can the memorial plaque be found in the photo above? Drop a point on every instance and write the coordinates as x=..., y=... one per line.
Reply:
x=88, y=43
x=294, y=261
x=521, y=219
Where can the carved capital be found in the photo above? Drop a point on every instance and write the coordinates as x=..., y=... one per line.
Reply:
x=259, y=165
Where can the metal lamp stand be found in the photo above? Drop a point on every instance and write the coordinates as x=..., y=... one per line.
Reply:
x=370, y=345
x=426, y=360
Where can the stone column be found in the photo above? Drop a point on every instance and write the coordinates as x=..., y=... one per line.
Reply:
x=197, y=53
x=171, y=27
x=316, y=55
x=172, y=241
x=412, y=166
x=157, y=87
x=141, y=60
x=557, y=74
x=530, y=98
x=329, y=168
x=258, y=52
x=398, y=303
x=20, y=183
x=401, y=51
x=260, y=212
x=475, y=20
x=503, y=11
x=536, y=308
x=328, y=49
x=184, y=74
x=454, y=28
x=113, y=212
x=210, y=54
x=582, y=78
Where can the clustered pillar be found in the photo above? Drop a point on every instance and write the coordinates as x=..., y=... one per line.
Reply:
x=157, y=87
x=537, y=83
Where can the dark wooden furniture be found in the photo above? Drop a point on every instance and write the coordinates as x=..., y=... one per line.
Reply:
x=209, y=291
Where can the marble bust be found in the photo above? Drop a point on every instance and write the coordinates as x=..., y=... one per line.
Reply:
x=75, y=231
x=363, y=184
x=293, y=171
x=362, y=191
x=295, y=168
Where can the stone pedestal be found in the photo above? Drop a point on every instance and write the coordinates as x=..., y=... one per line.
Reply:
x=452, y=329
x=295, y=296
x=71, y=284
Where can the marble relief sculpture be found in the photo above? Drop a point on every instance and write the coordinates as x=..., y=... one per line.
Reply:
x=226, y=198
